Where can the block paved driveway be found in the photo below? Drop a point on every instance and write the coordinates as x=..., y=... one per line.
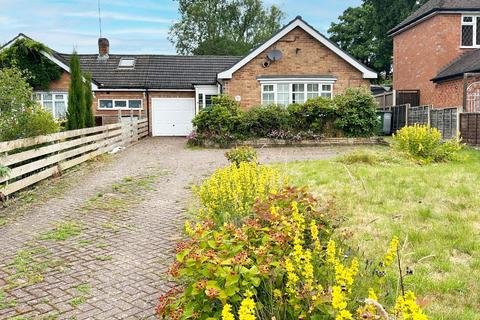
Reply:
x=114, y=267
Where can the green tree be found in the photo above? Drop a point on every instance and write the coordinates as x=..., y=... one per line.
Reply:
x=76, y=96
x=89, y=117
x=223, y=27
x=26, y=54
x=20, y=117
x=363, y=31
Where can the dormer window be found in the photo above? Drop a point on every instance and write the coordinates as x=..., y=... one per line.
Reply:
x=126, y=63
x=470, y=31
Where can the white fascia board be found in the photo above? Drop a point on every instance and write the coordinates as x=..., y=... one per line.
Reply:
x=295, y=80
x=117, y=90
x=207, y=89
x=367, y=74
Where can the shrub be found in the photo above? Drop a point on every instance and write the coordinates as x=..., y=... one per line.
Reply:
x=282, y=261
x=316, y=115
x=357, y=113
x=425, y=144
x=221, y=118
x=229, y=194
x=29, y=123
x=20, y=117
x=263, y=121
x=241, y=154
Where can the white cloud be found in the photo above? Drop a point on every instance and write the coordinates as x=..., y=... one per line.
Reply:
x=118, y=16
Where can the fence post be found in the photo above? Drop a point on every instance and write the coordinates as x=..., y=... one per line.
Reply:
x=429, y=107
x=407, y=106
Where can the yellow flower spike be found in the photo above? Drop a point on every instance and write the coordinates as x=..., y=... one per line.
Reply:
x=338, y=298
x=344, y=315
x=188, y=228
x=391, y=252
x=227, y=313
x=407, y=308
x=372, y=295
x=331, y=250
x=247, y=308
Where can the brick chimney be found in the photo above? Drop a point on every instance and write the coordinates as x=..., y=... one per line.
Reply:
x=103, y=48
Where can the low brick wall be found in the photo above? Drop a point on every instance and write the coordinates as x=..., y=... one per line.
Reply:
x=265, y=143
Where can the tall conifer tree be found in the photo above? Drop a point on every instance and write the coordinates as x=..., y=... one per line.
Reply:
x=76, y=96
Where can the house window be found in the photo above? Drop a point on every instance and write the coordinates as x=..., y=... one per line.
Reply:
x=470, y=31
x=53, y=102
x=287, y=93
x=120, y=104
x=268, y=94
x=283, y=94
x=209, y=99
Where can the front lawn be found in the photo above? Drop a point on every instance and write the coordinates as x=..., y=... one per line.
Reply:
x=434, y=209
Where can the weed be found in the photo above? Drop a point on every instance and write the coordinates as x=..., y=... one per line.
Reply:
x=63, y=230
x=77, y=301
x=103, y=258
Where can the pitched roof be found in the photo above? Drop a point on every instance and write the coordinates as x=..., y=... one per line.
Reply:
x=299, y=22
x=434, y=6
x=467, y=62
x=154, y=71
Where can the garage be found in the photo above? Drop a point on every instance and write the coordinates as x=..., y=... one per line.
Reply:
x=172, y=116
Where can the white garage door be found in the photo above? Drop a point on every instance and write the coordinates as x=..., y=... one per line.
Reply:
x=172, y=116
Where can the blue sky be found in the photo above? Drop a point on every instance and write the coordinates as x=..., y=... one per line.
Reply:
x=132, y=26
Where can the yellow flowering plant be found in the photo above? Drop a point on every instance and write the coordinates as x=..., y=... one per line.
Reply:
x=229, y=194
x=272, y=256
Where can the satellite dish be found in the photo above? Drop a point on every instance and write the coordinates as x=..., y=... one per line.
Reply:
x=275, y=55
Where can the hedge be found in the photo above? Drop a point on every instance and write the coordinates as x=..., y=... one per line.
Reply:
x=352, y=114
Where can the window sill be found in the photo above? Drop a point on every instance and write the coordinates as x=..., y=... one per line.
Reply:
x=472, y=47
x=119, y=109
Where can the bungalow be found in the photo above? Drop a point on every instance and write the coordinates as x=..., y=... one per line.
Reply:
x=296, y=64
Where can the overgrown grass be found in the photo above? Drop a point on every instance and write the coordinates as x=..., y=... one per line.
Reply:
x=435, y=208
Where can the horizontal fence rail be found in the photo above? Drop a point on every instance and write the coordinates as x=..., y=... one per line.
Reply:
x=34, y=159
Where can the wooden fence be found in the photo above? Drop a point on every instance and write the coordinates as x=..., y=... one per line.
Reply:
x=445, y=120
x=470, y=128
x=34, y=159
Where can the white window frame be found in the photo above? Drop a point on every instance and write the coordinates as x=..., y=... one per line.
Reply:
x=125, y=108
x=291, y=82
x=474, y=25
x=53, y=93
x=205, y=90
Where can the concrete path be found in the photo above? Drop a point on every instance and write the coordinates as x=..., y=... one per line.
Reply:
x=96, y=243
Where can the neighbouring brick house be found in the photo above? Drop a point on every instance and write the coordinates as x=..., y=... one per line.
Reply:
x=437, y=51
x=296, y=64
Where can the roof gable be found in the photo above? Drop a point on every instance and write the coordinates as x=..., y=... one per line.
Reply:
x=299, y=23
x=436, y=6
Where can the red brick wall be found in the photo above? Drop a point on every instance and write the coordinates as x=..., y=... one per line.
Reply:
x=421, y=51
x=448, y=94
x=61, y=84
x=312, y=59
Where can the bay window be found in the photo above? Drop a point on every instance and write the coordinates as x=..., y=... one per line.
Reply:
x=285, y=93
x=53, y=102
x=470, y=31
